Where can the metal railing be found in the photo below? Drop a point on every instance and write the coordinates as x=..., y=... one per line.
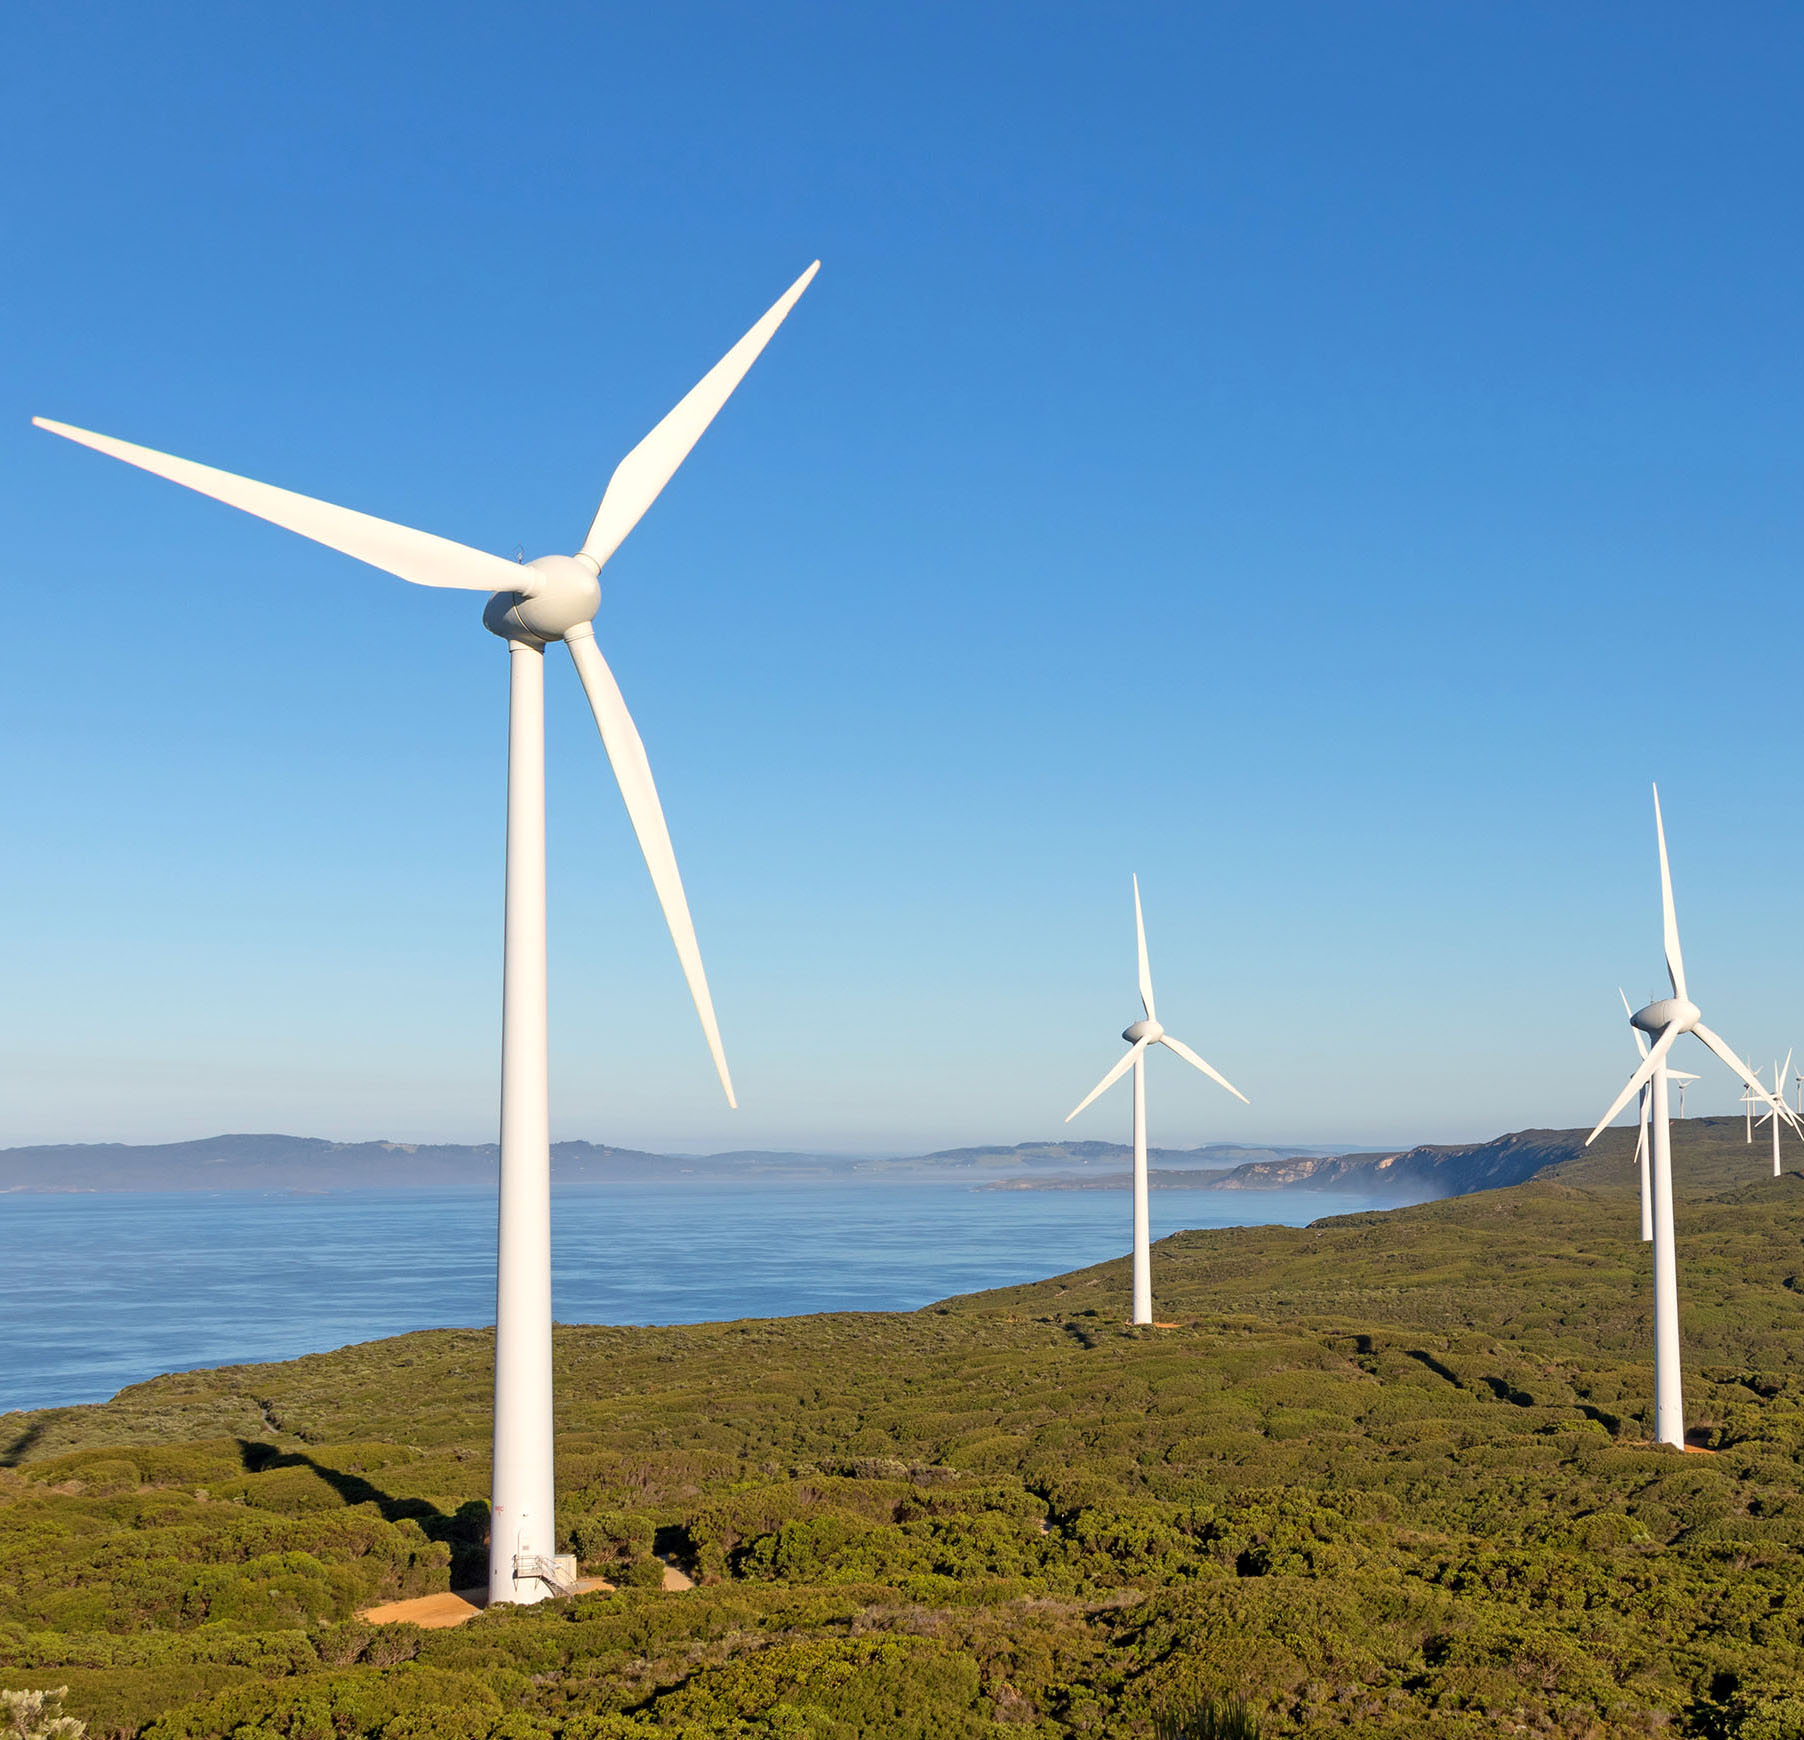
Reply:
x=559, y=1572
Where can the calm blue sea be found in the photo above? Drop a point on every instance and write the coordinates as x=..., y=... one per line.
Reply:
x=101, y=1291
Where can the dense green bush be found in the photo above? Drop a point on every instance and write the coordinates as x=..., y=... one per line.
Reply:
x=410, y=1703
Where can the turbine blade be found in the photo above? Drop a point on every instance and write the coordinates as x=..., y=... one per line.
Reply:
x=1645, y=1116
x=421, y=557
x=620, y=737
x=1675, y=961
x=1146, y=972
x=1109, y=1080
x=1715, y=1042
x=640, y=477
x=1638, y=1080
x=1191, y=1057
x=1640, y=1037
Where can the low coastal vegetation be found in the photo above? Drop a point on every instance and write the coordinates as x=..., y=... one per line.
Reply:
x=1386, y=1476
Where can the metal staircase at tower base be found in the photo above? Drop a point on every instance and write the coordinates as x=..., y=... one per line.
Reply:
x=559, y=1572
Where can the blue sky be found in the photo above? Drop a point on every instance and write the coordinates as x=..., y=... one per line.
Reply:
x=1327, y=459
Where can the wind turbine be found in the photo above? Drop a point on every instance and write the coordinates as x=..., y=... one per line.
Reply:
x=552, y=598
x=1683, y=1078
x=1665, y=1020
x=1773, y=1117
x=1139, y=1036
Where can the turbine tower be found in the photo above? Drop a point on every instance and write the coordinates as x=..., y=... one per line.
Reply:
x=551, y=598
x=1773, y=1116
x=1682, y=1079
x=1665, y=1021
x=1139, y=1036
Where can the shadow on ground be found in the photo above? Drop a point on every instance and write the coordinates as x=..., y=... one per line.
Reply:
x=465, y=1531
x=21, y=1446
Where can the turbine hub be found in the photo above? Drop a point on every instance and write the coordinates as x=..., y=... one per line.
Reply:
x=1660, y=1015
x=1147, y=1030
x=561, y=592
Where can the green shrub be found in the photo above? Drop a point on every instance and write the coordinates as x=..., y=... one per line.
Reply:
x=406, y=1703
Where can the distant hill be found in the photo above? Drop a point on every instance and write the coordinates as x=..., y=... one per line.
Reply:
x=1708, y=1153
x=274, y=1162
x=312, y=1163
x=1425, y=1173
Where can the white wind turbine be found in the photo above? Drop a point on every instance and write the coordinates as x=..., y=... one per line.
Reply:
x=552, y=598
x=1773, y=1117
x=1682, y=1079
x=1665, y=1020
x=1139, y=1036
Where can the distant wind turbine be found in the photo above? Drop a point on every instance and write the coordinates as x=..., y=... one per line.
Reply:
x=1665, y=1021
x=1774, y=1116
x=1683, y=1078
x=552, y=598
x=1139, y=1036
x=1641, y=1139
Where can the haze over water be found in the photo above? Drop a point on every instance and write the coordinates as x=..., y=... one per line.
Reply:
x=106, y=1290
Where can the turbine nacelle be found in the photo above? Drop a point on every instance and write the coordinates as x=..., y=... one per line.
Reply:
x=558, y=593
x=1667, y=1012
x=1150, y=1031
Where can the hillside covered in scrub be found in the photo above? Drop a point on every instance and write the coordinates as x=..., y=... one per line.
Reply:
x=1386, y=1476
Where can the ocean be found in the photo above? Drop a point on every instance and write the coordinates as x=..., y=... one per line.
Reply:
x=98, y=1291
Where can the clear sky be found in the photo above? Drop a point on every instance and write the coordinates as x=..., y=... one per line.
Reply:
x=1326, y=458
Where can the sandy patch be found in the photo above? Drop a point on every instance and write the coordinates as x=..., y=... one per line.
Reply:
x=437, y=1612
x=429, y=1612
